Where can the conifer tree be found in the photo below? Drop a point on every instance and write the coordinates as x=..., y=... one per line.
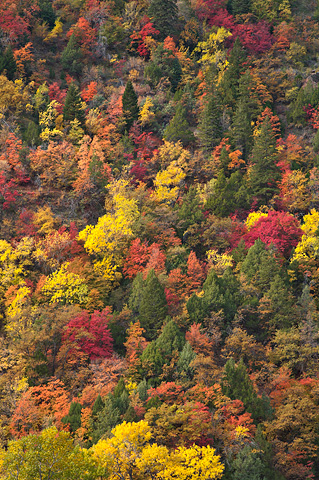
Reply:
x=241, y=128
x=178, y=128
x=71, y=56
x=230, y=82
x=229, y=195
x=237, y=385
x=73, y=418
x=210, y=127
x=264, y=174
x=8, y=63
x=239, y=7
x=130, y=106
x=259, y=266
x=164, y=15
x=187, y=355
x=73, y=105
x=153, y=307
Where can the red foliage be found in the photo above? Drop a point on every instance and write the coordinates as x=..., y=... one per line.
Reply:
x=138, y=38
x=196, y=272
x=91, y=333
x=279, y=228
x=142, y=258
x=15, y=17
x=55, y=93
x=8, y=194
x=169, y=393
x=89, y=92
x=199, y=341
x=85, y=35
x=25, y=225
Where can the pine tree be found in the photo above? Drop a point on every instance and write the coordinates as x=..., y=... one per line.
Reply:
x=264, y=174
x=8, y=63
x=230, y=82
x=237, y=385
x=71, y=56
x=73, y=418
x=178, y=128
x=259, y=266
x=164, y=15
x=241, y=128
x=130, y=106
x=153, y=307
x=187, y=355
x=73, y=105
x=229, y=195
x=46, y=12
x=239, y=7
x=190, y=213
x=136, y=294
x=210, y=127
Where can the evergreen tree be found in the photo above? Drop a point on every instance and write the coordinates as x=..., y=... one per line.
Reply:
x=259, y=266
x=73, y=418
x=130, y=106
x=241, y=128
x=239, y=7
x=71, y=56
x=46, y=12
x=163, y=64
x=190, y=213
x=237, y=385
x=187, y=355
x=196, y=308
x=229, y=195
x=230, y=82
x=8, y=63
x=153, y=307
x=98, y=406
x=136, y=296
x=73, y=105
x=210, y=127
x=164, y=15
x=264, y=173
x=178, y=128
x=248, y=465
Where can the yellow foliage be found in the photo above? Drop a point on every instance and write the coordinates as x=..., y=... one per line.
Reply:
x=65, y=287
x=253, y=217
x=219, y=262
x=14, y=262
x=128, y=454
x=167, y=183
x=14, y=96
x=146, y=115
x=47, y=122
x=170, y=152
x=56, y=31
x=109, y=238
x=213, y=52
x=45, y=220
x=308, y=247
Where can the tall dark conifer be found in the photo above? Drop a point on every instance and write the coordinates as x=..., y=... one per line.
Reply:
x=210, y=127
x=73, y=105
x=164, y=15
x=130, y=106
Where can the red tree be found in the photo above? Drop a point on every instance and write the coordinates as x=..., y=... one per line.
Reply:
x=91, y=333
x=279, y=228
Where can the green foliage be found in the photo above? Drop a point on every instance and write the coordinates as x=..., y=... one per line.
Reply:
x=264, y=172
x=71, y=56
x=178, y=128
x=153, y=307
x=73, y=418
x=73, y=106
x=164, y=15
x=210, y=127
x=7, y=63
x=130, y=106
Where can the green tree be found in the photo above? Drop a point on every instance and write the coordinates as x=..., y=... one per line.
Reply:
x=210, y=127
x=241, y=128
x=239, y=7
x=73, y=418
x=164, y=15
x=153, y=307
x=73, y=107
x=237, y=385
x=229, y=195
x=178, y=128
x=230, y=82
x=264, y=173
x=46, y=12
x=8, y=63
x=130, y=106
x=71, y=56
x=248, y=465
x=187, y=355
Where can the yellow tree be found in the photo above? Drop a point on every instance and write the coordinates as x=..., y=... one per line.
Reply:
x=108, y=240
x=213, y=52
